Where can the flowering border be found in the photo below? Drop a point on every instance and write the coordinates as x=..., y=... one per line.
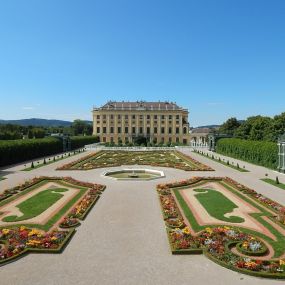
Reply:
x=197, y=166
x=17, y=241
x=216, y=242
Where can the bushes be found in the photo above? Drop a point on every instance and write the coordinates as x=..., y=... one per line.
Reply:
x=20, y=150
x=15, y=151
x=257, y=152
x=80, y=141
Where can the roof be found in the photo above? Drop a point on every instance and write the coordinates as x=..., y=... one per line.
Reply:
x=140, y=105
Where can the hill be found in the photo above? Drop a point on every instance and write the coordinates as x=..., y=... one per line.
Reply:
x=39, y=122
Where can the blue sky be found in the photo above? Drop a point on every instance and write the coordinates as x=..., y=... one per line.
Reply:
x=218, y=58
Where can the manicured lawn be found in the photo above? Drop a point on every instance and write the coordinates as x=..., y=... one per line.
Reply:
x=218, y=241
x=103, y=159
x=37, y=204
x=217, y=205
x=224, y=163
x=273, y=182
x=49, y=161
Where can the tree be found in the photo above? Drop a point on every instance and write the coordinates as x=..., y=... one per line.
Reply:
x=81, y=128
x=229, y=126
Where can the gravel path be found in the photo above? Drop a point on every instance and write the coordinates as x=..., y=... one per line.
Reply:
x=123, y=239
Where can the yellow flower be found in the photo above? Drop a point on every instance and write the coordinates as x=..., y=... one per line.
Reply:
x=282, y=262
x=245, y=244
x=209, y=230
x=5, y=231
x=186, y=231
x=34, y=232
x=22, y=228
x=54, y=238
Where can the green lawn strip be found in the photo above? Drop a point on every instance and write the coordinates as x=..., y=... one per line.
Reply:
x=278, y=246
x=37, y=204
x=273, y=182
x=36, y=165
x=23, y=192
x=2, y=178
x=217, y=205
x=224, y=163
x=185, y=159
x=59, y=214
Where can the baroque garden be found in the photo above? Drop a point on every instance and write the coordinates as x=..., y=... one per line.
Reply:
x=173, y=202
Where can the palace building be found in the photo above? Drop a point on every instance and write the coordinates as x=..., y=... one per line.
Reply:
x=137, y=122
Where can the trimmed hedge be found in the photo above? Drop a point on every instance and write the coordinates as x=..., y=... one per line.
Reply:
x=15, y=151
x=21, y=150
x=257, y=152
x=80, y=141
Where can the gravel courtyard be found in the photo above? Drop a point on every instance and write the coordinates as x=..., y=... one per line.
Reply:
x=123, y=239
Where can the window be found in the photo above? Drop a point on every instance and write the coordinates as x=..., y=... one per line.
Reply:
x=155, y=130
x=126, y=130
x=112, y=139
x=155, y=117
x=185, y=131
x=169, y=130
x=98, y=117
x=141, y=117
x=119, y=117
x=148, y=130
x=162, y=130
x=170, y=117
x=119, y=130
x=177, y=117
x=177, y=140
x=162, y=117
x=112, y=117
x=141, y=130
x=177, y=130
x=134, y=130
x=98, y=130
x=148, y=117
x=134, y=117
x=104, y=139
x=170, y=140
x=104, y=130
x=111, y=130
x=126, y=117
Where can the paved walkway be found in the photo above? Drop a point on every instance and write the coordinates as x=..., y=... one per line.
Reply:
x=123, y=239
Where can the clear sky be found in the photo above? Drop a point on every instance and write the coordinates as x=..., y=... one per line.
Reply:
x=218, y=58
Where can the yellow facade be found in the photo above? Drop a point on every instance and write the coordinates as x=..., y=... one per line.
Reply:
x=158, y=122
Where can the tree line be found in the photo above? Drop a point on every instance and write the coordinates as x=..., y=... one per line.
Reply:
x=15, y=132
x=255, y=128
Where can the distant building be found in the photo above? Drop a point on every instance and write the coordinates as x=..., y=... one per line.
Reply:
x=155, y=122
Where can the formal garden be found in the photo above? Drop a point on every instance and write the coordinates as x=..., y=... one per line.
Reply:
x=41, y=214
x=102, y=159
x=228, y=222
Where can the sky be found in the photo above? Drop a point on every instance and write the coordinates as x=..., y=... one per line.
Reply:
x=218, y=58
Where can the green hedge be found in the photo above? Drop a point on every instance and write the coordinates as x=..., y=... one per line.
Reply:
x=80, y=141
x=16, y=151
x=257, y=152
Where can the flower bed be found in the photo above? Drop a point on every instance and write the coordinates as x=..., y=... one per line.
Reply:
x=230, y=246
x=102, y=159
x=17, y=240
